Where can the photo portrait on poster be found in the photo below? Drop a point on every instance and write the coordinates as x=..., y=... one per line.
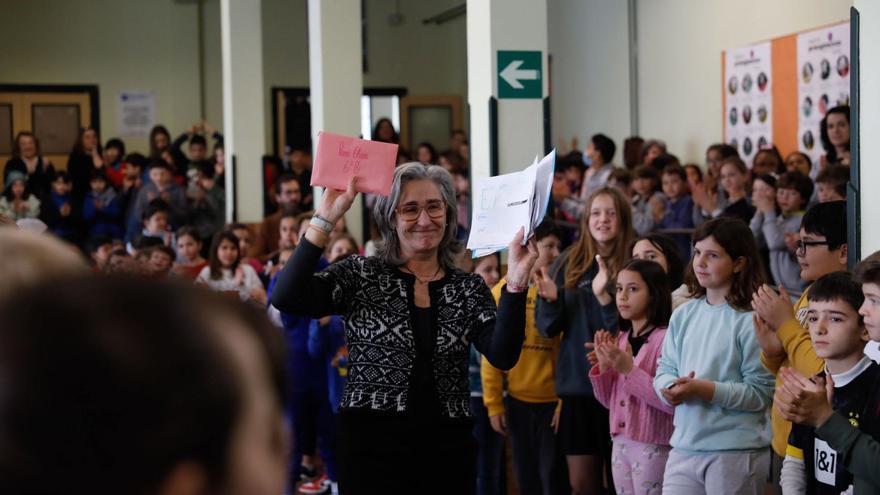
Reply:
x=823, y=61
x=748, y=99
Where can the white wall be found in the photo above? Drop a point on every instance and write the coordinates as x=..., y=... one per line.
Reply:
x=680, y=44
x=428, y=59
x=590, y=70
x=425, y=59
x=869, y=122
x=117, y=44
x=134, y=44
x=153, y=45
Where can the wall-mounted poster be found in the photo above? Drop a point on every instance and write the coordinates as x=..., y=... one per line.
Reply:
x=823, y=66
x=748, y=101
x=135, y=113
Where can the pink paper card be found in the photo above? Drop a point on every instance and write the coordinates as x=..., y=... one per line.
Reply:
x=339, y=158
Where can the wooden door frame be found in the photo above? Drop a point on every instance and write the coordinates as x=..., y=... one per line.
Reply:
x=279, y=101
x=91, y=89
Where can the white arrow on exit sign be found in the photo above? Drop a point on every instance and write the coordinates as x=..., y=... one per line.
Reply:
x=512, y=74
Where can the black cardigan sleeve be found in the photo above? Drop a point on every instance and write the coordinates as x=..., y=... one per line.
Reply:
x=500, y=335
x=301, y=292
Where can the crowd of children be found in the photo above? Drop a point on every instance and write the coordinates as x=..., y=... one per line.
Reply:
x=689, y=329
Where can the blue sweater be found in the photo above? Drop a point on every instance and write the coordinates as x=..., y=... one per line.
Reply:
x=679, y=214
x=324, y=343
x=106, y=219
x=718, y=344
x=304, y=371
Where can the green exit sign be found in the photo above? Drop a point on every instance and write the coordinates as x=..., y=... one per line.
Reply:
x=520, y=74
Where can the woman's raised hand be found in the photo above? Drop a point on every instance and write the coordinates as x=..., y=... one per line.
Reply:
x=521, y=259
x=335, y=203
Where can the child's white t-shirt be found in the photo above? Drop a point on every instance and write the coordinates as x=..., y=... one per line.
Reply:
x=227, y=282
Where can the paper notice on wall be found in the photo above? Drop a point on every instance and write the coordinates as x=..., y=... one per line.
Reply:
x=749, y=101
x=135, y=113
x=823, y=65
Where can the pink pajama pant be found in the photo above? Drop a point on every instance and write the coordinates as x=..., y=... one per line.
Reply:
x=638, y=467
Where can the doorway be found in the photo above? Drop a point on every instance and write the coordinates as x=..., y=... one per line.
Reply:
x=429, y=119
x=292, y=115
x=55, y=114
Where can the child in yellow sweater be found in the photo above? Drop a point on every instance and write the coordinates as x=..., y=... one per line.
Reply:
x=528, y=415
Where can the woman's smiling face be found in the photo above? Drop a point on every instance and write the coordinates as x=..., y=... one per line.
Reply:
x=425, y=232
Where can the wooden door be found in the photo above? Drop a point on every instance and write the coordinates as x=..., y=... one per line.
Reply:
x=429, y=119
x=54, y=117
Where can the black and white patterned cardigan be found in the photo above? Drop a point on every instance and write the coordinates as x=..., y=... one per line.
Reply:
x=376, y=300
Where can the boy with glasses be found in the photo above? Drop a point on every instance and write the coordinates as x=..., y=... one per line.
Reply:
x=781, y=329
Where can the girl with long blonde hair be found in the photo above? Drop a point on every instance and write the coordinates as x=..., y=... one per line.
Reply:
x=575, y=301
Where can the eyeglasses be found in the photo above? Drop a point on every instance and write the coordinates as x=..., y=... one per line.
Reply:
x=801, y=246
x=411, y=212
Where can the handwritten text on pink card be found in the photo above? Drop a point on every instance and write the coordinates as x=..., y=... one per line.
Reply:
x=353, y=158
x=339, y=158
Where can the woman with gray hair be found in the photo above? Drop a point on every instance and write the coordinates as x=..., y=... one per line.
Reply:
x=410, y=317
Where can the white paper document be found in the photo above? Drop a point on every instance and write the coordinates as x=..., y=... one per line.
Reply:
x=505, y=203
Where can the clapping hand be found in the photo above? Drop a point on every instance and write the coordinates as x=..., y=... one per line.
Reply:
x=764, y=201
x=774, y=308
x=658, y=209
x=600, y=339
x=619, y=359
x=239, y=276
x=547, y=288
x=767, y=338
x=97, y=159
x=804, y=401
x=706, y=195
x=600, y=282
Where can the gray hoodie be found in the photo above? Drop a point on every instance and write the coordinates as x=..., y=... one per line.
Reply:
x=770, y=229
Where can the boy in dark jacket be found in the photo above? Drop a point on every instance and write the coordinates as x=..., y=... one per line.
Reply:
x=102, y=211
x=679, y=207
x=58, y=209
